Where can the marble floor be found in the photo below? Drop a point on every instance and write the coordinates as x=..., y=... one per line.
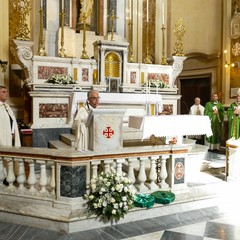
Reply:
x=208, y=223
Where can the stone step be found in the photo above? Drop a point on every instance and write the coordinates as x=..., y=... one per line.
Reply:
x=68, y=139
x=57, y=144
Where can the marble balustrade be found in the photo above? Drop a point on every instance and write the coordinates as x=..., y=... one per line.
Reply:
x=62, y=176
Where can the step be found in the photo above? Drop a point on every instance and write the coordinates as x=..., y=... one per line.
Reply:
x=68, y=139
x=57, y=144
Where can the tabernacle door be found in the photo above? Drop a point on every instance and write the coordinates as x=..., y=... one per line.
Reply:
x=105, y=129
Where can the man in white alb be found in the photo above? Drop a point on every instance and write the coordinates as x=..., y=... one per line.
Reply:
x=197, y=108
x=81, y=118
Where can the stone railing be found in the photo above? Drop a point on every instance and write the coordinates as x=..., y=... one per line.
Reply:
x=61, y=176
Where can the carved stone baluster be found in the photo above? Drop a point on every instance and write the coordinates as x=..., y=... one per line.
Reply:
x=43, y=176
x=107, y=163
x=94, y=165
x=163, y=173
x=10, y=175
x=2, y=171
x=21, y=177
x=152, y=174
x=119, y=161
x=131, y=175
x=53, y=176
x=32, y=176
x=142, y=175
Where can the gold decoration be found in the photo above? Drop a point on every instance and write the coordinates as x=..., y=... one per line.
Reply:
x=113, y=18
x=41, y=50
x=130, y=56
x=62, y=50
x=147, y=58
x=179, y=31
x=84, y=52
x=3, y=65
x=156, y=140
x=112, y=65
x=164, y=59
x=23, y=8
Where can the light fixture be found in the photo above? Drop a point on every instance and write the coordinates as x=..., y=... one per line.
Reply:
x=3, y=65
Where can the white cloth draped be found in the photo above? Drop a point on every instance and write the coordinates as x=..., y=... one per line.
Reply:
x=171, y=125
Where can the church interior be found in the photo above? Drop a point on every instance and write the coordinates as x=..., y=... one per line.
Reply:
x=148, y=60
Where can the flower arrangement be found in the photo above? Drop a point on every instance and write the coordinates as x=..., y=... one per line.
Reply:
x=63, y=79
x=155, y=84
x=110, y=196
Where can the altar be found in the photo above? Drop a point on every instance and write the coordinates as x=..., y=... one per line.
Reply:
x=171, y=126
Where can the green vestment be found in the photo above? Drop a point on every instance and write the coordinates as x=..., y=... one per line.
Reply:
x=233, y=121
x=216, y=121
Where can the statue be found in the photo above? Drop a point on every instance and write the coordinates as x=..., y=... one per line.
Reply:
x=85, y=11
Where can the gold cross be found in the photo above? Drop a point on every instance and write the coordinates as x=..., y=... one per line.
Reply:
x=113, y=18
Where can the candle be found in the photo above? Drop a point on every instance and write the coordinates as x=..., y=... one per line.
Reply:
x=130, y=9
x=62, y=5
x=41, y=4
x=147, y=10
x=162, y=11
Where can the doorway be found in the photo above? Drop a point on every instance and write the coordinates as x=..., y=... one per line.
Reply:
x=191, y=87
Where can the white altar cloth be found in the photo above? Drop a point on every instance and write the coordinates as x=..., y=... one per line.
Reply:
x=116, y=98
x=171, y=125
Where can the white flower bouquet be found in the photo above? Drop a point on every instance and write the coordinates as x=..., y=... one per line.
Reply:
x=110, y=196
x=155, y=84
x=62, y=79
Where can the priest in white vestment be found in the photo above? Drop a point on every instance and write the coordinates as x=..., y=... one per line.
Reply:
x=9, y=133
x=197, y=108
x=81, y=119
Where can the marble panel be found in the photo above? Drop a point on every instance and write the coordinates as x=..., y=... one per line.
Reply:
x=73, y=181
x=42, y=136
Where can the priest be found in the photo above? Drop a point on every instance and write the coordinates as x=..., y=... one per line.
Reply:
x=214, y=109
x=81, y=119
x=234, y=119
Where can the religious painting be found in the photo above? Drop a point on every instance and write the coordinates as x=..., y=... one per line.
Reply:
x=159, y=77
x=113, y=85
x=167, y=109
x=85, y=73
x=53, y=110
x=133, y=77
x=44, y=72
x=179, y=170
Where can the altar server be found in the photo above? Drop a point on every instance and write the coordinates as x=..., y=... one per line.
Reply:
x=234, y=119
x=214, y=109
x=81, y=118
x=197, y=108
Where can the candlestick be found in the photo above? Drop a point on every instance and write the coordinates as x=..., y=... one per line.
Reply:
x=162, y=11
x=147, y=10
x=130, y=9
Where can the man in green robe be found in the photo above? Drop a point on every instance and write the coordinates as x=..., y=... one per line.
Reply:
x=214, y=109
x=234, y=119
